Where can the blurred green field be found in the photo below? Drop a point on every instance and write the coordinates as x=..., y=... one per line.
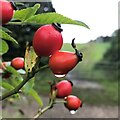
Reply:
x=93, y=53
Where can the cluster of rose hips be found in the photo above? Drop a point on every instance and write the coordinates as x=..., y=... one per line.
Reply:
x=64, y=89
x=47, y=42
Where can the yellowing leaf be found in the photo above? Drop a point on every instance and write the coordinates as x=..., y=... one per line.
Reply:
x=30, y=58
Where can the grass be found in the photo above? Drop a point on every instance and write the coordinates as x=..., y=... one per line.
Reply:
x=106, y=96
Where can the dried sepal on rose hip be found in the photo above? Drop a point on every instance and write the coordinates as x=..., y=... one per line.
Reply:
x=17, y=63
x=61, y=62
x=6, y=11
x=64, y=88
x=72, y=102
x=47, y=40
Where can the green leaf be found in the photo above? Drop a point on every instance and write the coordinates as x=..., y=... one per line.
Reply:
x=48, y=18
x=6, y=30
x=28, y=86
x=14, y=71
x=15, y=80
x=16, y=77
x=30, y=58
x=19, y=3
x=35, y=95
x=24, y=14
x=6, y=85
x=6, y=36
x=28, y=89
x=3, y=47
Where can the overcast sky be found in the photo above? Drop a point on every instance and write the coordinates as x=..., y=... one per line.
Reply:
x=100, y=15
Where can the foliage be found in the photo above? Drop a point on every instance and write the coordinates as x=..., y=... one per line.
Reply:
x=27, y=30
x=112, y=53
x=18, y=83
x=24, y=14
x=110, y=61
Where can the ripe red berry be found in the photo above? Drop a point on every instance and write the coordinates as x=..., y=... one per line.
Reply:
x=6, y=11
x=72, y=102
x=64, y=88
x=62, y=62
x=17, y=63
x=47, y=40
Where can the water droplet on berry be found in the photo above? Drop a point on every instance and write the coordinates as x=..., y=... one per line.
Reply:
x=73, y=111
x=60, y=76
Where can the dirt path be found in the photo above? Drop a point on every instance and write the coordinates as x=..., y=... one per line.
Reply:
x=59, y=111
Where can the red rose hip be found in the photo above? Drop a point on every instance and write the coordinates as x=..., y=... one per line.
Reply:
x=6, y=11
x=64, y=88
x=47, y=40
x=62, y=62
x=72, y=102
x=17, y=63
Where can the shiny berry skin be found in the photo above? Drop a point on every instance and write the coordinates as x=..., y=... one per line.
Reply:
x=64, y=88
x=17, y=63
x=62, y=62
x=72, y=102
x=6, y=11
x=47, y=40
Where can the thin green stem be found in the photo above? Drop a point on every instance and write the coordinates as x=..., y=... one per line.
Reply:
x=52, y=99
x=44, y=67
x=17, y=88
x=60, y=101
x=15, y=23
x=22, y=23
x=51, y=103
x=40, y=112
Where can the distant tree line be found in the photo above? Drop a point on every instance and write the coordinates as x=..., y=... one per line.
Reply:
x=110, y=61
